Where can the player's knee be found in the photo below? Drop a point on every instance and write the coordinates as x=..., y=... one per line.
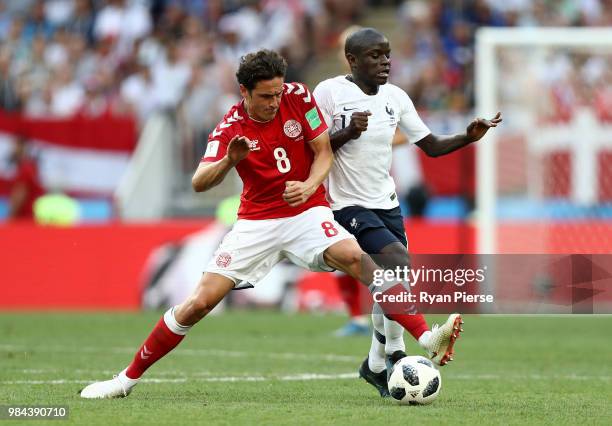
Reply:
x=353, y=257
x=395, y=255
x=199, y=307
x=400, y=259
x=346, y=257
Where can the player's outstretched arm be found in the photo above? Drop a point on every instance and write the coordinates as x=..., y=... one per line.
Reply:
x=435, y=146
x=296, y=192
x=211, y=174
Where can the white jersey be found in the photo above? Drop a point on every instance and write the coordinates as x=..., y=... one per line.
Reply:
x=360, y=174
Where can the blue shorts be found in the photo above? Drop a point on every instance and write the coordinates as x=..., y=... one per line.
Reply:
x=373, y=228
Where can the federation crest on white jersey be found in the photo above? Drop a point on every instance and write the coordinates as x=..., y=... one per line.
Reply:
x=360, y=174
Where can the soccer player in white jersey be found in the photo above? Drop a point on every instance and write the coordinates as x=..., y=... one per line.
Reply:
x=362, y=111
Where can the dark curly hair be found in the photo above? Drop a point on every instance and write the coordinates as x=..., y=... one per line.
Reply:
x=261, y=65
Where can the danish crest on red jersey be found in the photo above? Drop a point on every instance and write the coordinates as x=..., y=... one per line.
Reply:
x=223, y=260
x=292, y=128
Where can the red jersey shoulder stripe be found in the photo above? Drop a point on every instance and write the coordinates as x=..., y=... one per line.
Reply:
x=227, y=122
x=298, y=89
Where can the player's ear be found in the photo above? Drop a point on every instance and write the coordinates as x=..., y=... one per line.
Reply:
x=244, y=92
x=351, y=59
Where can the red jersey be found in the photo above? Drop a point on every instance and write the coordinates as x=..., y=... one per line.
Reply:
x=279, y=153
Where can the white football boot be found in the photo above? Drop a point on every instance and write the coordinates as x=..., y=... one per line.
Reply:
x=119, y=386
x=440, y=344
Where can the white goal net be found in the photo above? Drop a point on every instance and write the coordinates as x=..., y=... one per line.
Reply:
x=544, y=177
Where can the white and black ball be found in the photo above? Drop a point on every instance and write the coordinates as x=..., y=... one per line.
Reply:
x=415, y=380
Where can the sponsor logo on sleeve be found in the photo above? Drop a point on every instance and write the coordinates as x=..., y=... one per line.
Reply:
x=211, y=149
x=312, y=116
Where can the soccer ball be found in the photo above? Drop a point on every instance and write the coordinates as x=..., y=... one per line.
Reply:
x=414, y=380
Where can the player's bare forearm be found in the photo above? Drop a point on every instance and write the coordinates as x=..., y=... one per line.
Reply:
x=209, y=175
x=296, y=192
x=339, y=138
x=320, y=168
x=435, y=146
x=357, y=125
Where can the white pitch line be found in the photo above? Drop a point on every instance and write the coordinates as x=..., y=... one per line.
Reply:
x=306, y=377
x=288, y=378
x=79, y=371
x=204, y=376
x=525, y=377
x=194, y=352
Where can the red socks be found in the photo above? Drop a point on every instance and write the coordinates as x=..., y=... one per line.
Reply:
x=355, y=295
x=414, y=323
x=161, y=341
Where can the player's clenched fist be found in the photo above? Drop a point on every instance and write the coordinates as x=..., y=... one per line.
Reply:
x=359, y=123
x=297, y=192
x=238, y=148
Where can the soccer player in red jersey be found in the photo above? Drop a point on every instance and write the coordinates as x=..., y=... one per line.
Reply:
x=26, y=186
x=277, y=140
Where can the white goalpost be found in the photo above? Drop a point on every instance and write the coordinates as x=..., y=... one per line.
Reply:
x=542, y=180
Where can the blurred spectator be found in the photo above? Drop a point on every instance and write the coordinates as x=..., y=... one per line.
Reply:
x=170, y=78
x=82, y=59
x=171, y=20
x=8, y=88
x=101, y=96
x=56, y=51
x=19, y=7
x=195, y=46
x=26, y=187
x=58, y=12
x=39, y=103
x=127, y=22
x=36, y=23
x=5, y=21
x=135, y=91
x=417, y=199
x=67, y=94
x=82, y=21
x=232, y=41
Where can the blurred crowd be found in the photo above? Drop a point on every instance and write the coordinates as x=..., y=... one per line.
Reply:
x=64, y=57
x=60, y=58
x=435, y=61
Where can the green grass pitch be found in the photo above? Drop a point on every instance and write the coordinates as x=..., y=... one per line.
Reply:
x=269, y=368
